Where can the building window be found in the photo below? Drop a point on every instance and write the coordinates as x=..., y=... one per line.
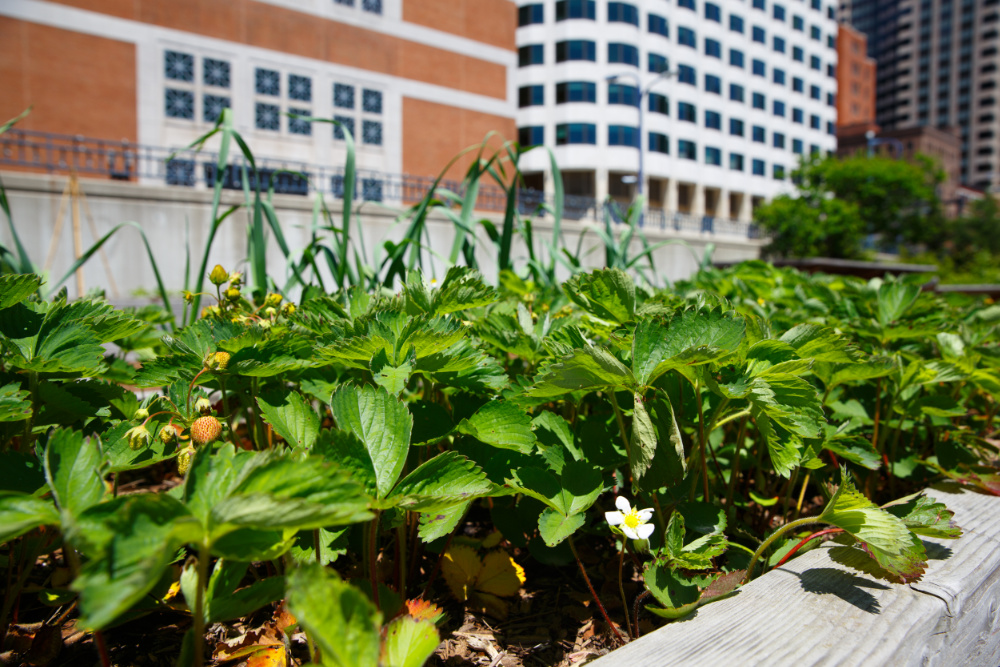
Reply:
x=533, y=135
x=712, y=12
x=814, y=33
x=814, y=122
x=687, y=149
x=798, y=55
x=736, y=162
x=713, y=84
x=299, y=88
x=736, y=127
x=778, y=75
x=797, y=146
x=371, y=132
x=623, y=135
x=759, y=134
x=778, y=140
x=530, y=96
x=798, y=23
x=814, y=92
x=620, y=12
x=532, y=54
x=371, y=101
x=267, y=116
x=659, y=143
x=778, y=172
x=736, y=58
x=657, y=63
x=343, y=96
x=659, y=104
x=759, y=35
x=779, y=108
x=687, y=112
x=373, y=6
x=575, y=9
x=343, y=123
x=713, y=48
x=687, y=74
x=687, y=4
x=760, y=4
x=797, y=84
x=831, y=100
x=713, y=120
x=621, y=94
x=180, y=172
x=759, y=168
x=623, y=53
x=297, y=125
x=736, y=23
x=267, y=82
x=759, y=101
x=215, y=73
x=798, y=116
x=530, y=14
x=815, y=64
x=759, y=68
x=686, y=37
x=736, y=92
x=713, y=156
x=576, y=49
x=371, y=189
x=658, y=25
x=179, y=66
x=779, y=12
x=212, y=106
x=179, y=104
x=576, y=133
x=779, y=44
x=576, y=91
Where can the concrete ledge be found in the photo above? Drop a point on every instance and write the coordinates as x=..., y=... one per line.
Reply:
x=815, y=610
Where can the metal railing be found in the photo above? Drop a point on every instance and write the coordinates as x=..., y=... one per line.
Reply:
x=126, y=161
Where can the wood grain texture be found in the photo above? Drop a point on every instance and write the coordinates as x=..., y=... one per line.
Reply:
x=824, y=608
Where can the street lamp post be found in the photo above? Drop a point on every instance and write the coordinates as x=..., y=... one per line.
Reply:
x=665, y=74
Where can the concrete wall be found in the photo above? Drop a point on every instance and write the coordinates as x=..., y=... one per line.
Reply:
x=173, y=217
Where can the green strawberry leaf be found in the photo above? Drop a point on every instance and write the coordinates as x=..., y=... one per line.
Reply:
x=20, y=513
x=14, y=403
x=73, y=468
x=585, y=370
x=688, y=338
x=501, y=424
x=926, y=517
x=15, y=288
x=555, y=527
x=409, y=642
x=607, y=294
x=292, y=417
x=447, y=479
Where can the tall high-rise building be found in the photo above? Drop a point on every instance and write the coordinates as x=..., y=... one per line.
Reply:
x=938, y=66
x=855, y=83
x=416, y=81
x=751, y=88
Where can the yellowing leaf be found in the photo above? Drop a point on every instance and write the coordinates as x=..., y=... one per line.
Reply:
x=500, y=575
x=269, y=656
x=424, y=610
x=460, y=568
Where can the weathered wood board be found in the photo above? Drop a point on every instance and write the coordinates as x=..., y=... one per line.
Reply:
x=823, y=609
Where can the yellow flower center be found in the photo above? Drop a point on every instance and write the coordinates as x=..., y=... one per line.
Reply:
x=632, y=519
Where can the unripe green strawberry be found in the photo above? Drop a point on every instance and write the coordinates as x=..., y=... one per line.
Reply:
x=140, y=414
x=218, y=361
x=167, y=434
x=138, y=437
x=205, y=430
x=184, y=458
x=233, y=294
x=270, y=312
x=219, y=275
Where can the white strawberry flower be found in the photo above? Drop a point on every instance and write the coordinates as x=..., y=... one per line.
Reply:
x=633, y=522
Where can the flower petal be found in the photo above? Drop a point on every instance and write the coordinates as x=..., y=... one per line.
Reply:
x=614, y=518
x=630, y=532
x=621, y=502
x=645, y=530
x=645, y=515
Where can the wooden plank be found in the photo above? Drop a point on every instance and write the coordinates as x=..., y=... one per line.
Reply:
x=823, y=608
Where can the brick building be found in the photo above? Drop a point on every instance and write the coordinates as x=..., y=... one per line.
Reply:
x=855, y=83
x=418, y=80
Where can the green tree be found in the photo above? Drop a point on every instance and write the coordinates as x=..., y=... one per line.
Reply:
x=840, y=200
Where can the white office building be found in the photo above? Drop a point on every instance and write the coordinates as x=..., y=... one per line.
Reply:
x=751, y=88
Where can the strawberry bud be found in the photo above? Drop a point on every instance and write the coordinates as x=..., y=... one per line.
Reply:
x=235, y=279
x=288, y=309
x=205, y=430
x=219, y=275
x=140, y=414
x=273, y=299
x=233, y=294
x=203, y=405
